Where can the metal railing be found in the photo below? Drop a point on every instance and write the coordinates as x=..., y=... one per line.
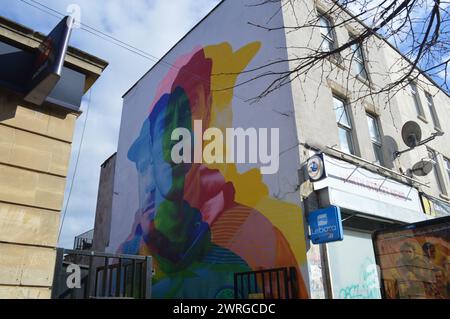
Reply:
x=101, y=275
x=278, y=283
x=84, y=241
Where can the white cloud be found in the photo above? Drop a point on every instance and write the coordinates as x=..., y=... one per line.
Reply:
x=153, y=26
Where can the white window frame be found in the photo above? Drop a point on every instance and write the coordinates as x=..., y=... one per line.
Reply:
x=447, y=167
x=437, y=170
x=347, y=128
x=329, y=35
x=416, y=98
x=376, y=141
x=433, y=112
x=359, y=58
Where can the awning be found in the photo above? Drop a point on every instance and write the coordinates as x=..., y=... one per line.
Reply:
x=358, y=189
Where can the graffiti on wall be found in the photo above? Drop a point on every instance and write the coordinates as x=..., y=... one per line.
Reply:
x=368, y=285
x=204, y=222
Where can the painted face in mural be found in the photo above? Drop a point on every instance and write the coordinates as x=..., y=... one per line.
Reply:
x=140, y=154
x=169, y=113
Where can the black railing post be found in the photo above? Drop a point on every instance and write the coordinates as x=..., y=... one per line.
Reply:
x=111, y=271
x=119, y=279
x=278, y=285
x=263, y=279
x=148, y=277
x=286, y=283
x=89, y=276
x=235, y=286
x=293, y=279
x=105, y=278
x=133, y=278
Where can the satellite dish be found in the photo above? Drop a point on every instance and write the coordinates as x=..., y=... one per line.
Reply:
x=423, y=167
x=411, y=134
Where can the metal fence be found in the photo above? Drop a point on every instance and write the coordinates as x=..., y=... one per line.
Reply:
x=279, y=283
x=85, y=274
x=84, y=241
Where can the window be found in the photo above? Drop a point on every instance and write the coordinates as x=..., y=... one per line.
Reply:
x=353, y=267
x=447, y=167
x=432, y=155
x=344, y=125
x=434, y=116
x=415, y=94
x=358, y=61
x=327, y=33
x=375, y=137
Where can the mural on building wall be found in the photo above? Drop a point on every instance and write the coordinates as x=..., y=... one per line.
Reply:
x=204, y=222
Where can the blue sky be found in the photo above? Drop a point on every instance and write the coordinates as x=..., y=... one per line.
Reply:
x=150, y=25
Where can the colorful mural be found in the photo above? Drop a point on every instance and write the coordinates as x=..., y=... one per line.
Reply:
x=204, y=222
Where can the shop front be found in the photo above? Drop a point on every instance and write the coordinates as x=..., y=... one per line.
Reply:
x=368, y=202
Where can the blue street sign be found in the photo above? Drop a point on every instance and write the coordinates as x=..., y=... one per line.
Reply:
x=326, y=225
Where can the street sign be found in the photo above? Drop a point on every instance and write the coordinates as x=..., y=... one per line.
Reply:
x=325, y=225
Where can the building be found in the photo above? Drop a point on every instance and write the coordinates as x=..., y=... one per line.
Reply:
x=104, y=205
x=204, y=221
x=35, y=147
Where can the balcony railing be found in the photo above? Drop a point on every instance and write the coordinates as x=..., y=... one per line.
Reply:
x=101, y=275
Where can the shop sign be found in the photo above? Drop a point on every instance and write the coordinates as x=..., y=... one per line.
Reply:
x=325, y=225
x=315, y=168
x=357, y=189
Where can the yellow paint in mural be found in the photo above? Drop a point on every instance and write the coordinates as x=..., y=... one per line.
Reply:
x=250, y=188
x=227, y=66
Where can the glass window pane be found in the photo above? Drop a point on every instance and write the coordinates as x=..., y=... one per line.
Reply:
x=416, y=99
x=433, y=113
x=429, y=98
x=358, y=67
x=447, y=166
x=341, y=112
x=378, y=154
x=373, y=129
x=362, y=73
x=357, y=52
x=345, y=140
x=327, y=45
x=358, y=61
x=327, y=33
x=325, y=26
x=432, y=156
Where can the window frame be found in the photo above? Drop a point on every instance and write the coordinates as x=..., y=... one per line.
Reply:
x=329, y=36
x=447, y=167
x=437, y=170
x=376, y=144
x=414, y=90
x=360, y=59
x=348, y=129
x=433, y=111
